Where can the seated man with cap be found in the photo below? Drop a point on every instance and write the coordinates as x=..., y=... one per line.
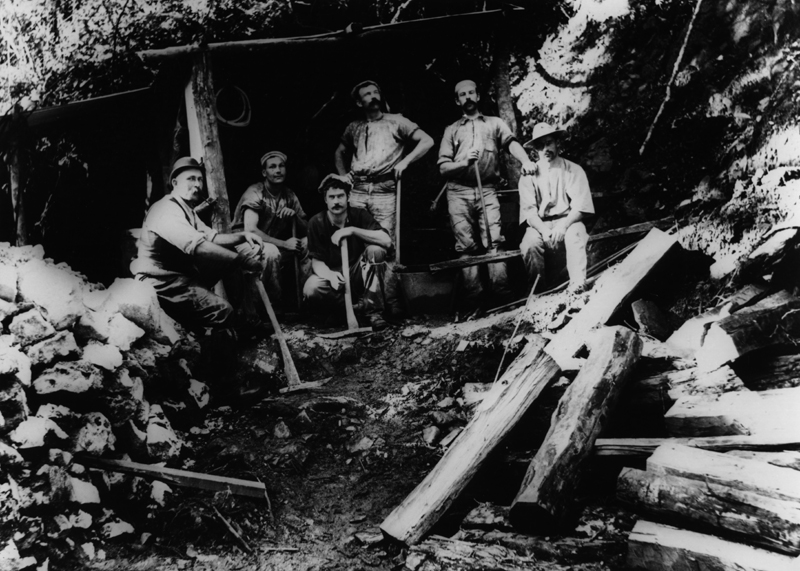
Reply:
x=553, y=203
x=271, y=210
x=367, y=244
x=183, y=258
x=373, y=154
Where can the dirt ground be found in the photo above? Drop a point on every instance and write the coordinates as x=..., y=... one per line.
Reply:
x=338, y=459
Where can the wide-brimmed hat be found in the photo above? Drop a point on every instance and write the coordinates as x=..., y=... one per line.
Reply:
x=542, y=130
x=184, y=163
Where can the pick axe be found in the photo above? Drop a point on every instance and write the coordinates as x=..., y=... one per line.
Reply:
x=288, y=363
x=352, y=322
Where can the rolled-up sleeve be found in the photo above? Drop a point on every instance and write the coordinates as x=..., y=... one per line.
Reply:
x=171, y=224
x=503, y=133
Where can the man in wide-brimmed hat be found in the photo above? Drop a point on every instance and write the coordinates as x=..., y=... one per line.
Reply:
x=553, y=203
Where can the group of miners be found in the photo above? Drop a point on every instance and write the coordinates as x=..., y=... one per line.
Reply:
x=182, y=257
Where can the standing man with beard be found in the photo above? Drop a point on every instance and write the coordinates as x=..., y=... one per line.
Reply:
x=477, y=138
x=553, y=203
x=373, y=154
x=269, y=209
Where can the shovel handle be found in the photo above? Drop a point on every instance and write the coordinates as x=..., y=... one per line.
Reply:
x=397, y=221
x=483, y=207
x=352, y=322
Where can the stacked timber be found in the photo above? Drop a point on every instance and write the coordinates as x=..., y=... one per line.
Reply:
x=77, y=362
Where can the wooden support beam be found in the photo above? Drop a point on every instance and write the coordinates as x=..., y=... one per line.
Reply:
x=610, y=295
x=771, y=321
x=497, y=414
x=644, y=447
x=16, y=186
x=179, y=477
x=546, y=494
x=748, y=517
x=467, y=261
x=204, y=137
x=656, y=547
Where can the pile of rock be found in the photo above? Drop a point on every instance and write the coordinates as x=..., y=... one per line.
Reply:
x=84, y=370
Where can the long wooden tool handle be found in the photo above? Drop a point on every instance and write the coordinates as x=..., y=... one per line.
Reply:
x=288, y=363
x=483, y=208
x=352, y=322
x=397, y=222
x=297, y=274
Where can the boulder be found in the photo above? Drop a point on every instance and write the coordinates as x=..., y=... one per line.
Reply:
x=13, y=407
x=9, y=456
x=162, y=442
x=122, y=332
x=49, y=486
x=30, y=327
x=10, y=559
x=82, y=492
x=7, y=309
x=72, y=377
x=55, y=289
x=132, y=439
x=15, y=362
x=60, y=414
x=95, y=436
x=200, y=393
x=92, y=326
x=8, y=283
x=60, y=347
x=123, y=399
x=138, y=302
x=36, y=432
x=116, y=528
x=103, y=355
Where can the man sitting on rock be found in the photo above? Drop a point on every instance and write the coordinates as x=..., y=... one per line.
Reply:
x=553, y=203
x=182, y=258
x=367, y=242
x=270, y=209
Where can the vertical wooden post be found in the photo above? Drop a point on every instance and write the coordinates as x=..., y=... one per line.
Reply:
x=204, y=137
x=17, y=191
x=505, y=104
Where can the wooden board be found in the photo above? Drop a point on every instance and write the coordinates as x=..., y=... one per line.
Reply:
x=548, y=490
x=659, y=547
x=467, y=261
x=179, y=477
x=496, y=415
x=708, y=506
x=611, y=293
x=788, y=459
x=643, y=447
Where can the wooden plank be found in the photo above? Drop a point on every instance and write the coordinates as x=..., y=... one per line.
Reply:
x=643, y=447
x=673, y=459
x=764, y=372
x=787, y=459
x=641, y=228
x=656, y=547
x=756, y=519
x=741, y=412
x=495, y=416
x=548, y=490
x=178, y=477
x=611, y=293
x=467, y=261
x=771, y=321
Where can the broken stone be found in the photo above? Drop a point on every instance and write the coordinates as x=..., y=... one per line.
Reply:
x=36, y=432
x=158, y=493
x=82, y=492
x=49, y=486
x=61, y=346
x=57, y=290
x=123, y=399
x=15, y=362
x=10, y=559
x=93, y=326
x=8, y=283
x=58, y=413
x=13, y=406
x=361, y=446
x=7, y=310
x=446, y=402
x=116, y=528
x=132, y=439
x=281, y=431
x=88, y=550
x=431, y=434
x=162, y=442
x=442, y=418
x=72, y=377
x=138, y=302
x=200, y=393
x=58, y=457
x=30, y=327
x=107, y=357
x=9, y=455
x=122, y=332
x=95, y=436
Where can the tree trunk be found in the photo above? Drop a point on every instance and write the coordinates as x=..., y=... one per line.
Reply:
x=656, y=547
x=749, y=517
x=505, y=103
x=547, y=491
x=17, y=194
x=497, y=414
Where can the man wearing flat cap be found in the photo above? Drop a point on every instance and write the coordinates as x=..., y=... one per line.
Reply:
x=373, y=154
x=270, y=209
x=553, y=203
x=476, y=138
x=368, y=244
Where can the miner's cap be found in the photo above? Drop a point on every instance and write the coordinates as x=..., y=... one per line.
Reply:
x=359, y=86
x=183, y=164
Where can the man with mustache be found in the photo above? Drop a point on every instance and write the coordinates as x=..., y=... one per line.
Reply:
x=367, y=242
x=373, y=154
x=476, y=138
x=553, y=203
x=269, y=209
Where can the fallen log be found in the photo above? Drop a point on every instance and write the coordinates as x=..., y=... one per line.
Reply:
x=788, y=459
x=673, y=385
x=772, y=321
x=750, y=517
x=734, y=473
x=761, y=371
x=740, y=412
x=178, y=477
x=611, y=292
x=547, y=491
x=655, y=547
x=495, y=416
x=643, y=447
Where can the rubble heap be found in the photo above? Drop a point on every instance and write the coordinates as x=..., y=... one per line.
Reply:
x=85, y=372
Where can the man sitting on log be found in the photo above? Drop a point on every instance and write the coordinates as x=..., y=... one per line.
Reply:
x=553, y=203
x=272, y=210
x=473, y=139
x=368, y=243
x=380, y=147
x=182, y=258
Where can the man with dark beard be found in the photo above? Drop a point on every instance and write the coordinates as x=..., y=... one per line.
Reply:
x=373, y=154
x=477, y=138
